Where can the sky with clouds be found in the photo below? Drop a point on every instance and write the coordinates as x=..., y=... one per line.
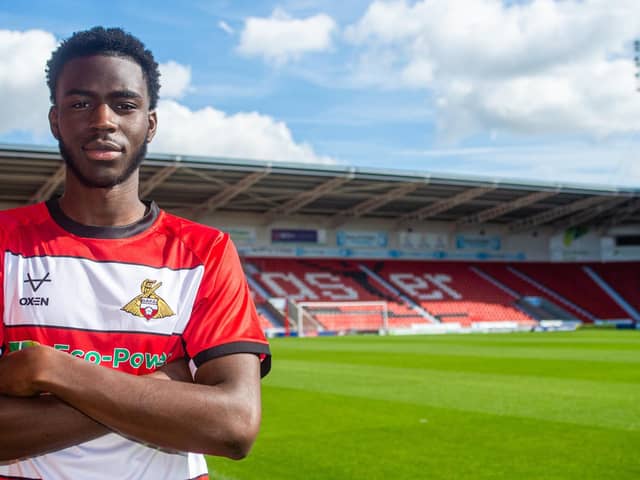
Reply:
x=539, y=90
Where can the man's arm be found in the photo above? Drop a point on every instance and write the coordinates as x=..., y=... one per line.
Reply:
x=33, y=426
x=218, y=415
x=43, y=423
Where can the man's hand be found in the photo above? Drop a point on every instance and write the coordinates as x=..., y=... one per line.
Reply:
x=21, y=370
x=177, y=370
x=40, y=423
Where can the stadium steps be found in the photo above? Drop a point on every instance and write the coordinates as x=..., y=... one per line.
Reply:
x=626, y=306
x=542, y=309
x=269, y=315
x=495, y=282
x=572, y=306
x=255, y=286
x=571, y=282
x=624, y=278
x=414, y=306
x=275, y=316
x=518, y=305
x=265, y=318
x=524, y=290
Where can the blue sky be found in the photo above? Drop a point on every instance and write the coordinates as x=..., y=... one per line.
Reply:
x=537, y=90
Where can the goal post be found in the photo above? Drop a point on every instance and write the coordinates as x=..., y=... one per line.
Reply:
x=339, y=318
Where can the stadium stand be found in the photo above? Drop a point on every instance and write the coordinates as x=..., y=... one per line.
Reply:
x=570, y=282
x=332, y=281
x=260, y=303
x=623, y=278
x=511, y=278
x=421, y=292
x=452, y=292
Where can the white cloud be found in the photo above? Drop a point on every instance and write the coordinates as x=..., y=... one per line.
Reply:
x=541, y=66
x=175, y=79
x=225, y=27
x=24, y=95
x=212, y=132
x=207, y=131
x=281, y=38
x=614, y=162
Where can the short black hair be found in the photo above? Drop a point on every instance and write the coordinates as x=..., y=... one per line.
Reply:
x=104, y=41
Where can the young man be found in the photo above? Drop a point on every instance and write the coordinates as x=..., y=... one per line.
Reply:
x=129, y=337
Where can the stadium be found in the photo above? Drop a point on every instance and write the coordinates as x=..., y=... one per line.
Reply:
x=363, y=278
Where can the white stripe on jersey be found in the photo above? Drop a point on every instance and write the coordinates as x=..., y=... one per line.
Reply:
x=112, y=457
x=87, y=294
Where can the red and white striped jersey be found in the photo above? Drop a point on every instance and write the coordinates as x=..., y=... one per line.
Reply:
x=130, y=298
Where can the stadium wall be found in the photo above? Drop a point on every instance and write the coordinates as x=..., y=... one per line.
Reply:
x=371, y=238
x=307, y=237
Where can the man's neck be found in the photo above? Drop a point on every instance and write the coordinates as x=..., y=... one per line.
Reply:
x=108, y=207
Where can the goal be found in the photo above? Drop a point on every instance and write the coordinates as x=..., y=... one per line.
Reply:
x=338, y=318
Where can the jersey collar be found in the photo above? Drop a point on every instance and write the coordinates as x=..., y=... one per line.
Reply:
x=90, y=231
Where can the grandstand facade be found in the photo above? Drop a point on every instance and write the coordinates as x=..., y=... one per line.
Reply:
x=325, y=246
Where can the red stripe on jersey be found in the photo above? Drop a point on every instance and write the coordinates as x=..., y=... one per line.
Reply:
x=132, y=352
x=183, y=243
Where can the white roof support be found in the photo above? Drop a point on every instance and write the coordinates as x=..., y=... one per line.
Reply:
x=157, y=179
x=586, y=215
x=227, y=194
x=627, y=211
x=444, y=205
x=555, y=213
x=50, y=186
x=374, y=203
x=299, y=201
x=506, y=207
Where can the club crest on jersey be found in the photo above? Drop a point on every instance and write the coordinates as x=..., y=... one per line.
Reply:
x=149, y=304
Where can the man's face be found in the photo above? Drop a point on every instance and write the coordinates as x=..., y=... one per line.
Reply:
x=102, y=119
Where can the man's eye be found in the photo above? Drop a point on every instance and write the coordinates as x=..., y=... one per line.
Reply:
x=126, y=106
x=79, y=105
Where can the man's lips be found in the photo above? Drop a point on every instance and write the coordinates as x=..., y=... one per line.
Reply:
x=102, y=150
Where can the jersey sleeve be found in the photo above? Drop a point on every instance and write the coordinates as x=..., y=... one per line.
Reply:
x=224, y=320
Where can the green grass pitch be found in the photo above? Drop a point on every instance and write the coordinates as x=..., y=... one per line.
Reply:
x=503, y=406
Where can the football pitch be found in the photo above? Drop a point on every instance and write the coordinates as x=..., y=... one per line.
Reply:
x=502, y=406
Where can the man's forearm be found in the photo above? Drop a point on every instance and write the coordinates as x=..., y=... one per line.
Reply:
x=37, y=425
x=219, y=419
x=31, y=426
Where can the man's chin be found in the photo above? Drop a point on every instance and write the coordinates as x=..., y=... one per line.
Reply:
x=108, y=179
x=101, y=177
x=103, y=182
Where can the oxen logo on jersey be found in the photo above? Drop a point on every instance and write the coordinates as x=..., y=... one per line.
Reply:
x=36, y=283
x=148, y=304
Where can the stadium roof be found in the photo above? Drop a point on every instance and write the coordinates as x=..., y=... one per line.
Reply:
x=194, y=186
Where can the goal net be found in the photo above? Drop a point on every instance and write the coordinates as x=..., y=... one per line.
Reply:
x=317, y=318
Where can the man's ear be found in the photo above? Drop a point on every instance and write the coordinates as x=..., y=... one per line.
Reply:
x=153, y=125
x=53, y=122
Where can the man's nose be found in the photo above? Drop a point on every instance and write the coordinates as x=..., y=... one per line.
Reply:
x=103, y=118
